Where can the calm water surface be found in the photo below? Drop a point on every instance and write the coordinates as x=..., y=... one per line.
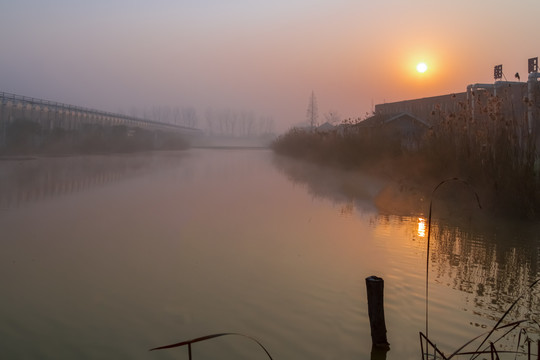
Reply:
x=105, y=257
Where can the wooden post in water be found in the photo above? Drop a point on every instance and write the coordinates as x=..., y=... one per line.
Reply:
x=375, y=291
x=378, y=353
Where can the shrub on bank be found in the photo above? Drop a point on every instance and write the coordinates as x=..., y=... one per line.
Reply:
x=27, y=137
x=491, y=149
x=351, y=149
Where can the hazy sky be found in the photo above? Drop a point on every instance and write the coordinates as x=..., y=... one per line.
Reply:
x=264, y=56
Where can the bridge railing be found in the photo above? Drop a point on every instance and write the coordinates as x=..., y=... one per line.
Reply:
x=13, y=100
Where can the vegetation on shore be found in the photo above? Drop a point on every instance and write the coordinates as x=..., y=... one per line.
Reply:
x=23, y=137
x=491, y=150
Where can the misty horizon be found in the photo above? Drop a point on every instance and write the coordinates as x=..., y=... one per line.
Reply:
x=256, y=57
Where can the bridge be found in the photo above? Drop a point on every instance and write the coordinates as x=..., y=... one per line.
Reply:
x=52, y=115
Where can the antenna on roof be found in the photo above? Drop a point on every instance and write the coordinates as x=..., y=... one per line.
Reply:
x=533, y=65
x=497, y=72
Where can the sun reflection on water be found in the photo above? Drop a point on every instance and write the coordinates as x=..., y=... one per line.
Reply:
x=421, y=227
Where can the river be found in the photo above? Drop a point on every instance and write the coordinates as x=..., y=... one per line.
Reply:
x=106, y=257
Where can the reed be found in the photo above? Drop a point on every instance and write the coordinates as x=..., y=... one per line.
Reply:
x=351, y=149
x=490, y=146
x=484, y=142
x=208, y=337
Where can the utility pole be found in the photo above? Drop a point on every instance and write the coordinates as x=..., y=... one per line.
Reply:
x=312, y=111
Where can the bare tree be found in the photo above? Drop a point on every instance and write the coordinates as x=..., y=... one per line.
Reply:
x=156, y=113
x=177, y=115
x=189, y=116
x=133, y=112
x=228, y=122
x=333, y=117
x=210, y=120
x=271, y=125
x=267, y=125
x=312, y=111
x=250, y=123
x=166, y=113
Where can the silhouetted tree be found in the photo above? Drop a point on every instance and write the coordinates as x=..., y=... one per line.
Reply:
x=333, y=117
x=189, y=116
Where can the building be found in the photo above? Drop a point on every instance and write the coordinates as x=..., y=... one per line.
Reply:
x=509, y=104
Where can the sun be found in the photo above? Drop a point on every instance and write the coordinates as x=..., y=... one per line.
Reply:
x=421, y=67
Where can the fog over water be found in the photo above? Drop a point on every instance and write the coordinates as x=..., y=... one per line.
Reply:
x=109, y=256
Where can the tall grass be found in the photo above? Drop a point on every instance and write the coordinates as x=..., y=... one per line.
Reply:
x=484, y=142
x=351, y=149
x=489, y=146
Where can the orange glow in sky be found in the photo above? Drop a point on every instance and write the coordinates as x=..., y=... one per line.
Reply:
x=265, y=57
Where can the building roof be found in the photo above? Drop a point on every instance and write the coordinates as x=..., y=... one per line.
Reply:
x=326, y=127
x=382, y=119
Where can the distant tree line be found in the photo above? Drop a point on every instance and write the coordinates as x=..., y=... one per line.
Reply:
x=236, y=123
x=183, y=116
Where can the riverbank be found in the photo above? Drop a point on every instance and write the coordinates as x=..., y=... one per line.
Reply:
x=28, y=138
x=506, y=187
